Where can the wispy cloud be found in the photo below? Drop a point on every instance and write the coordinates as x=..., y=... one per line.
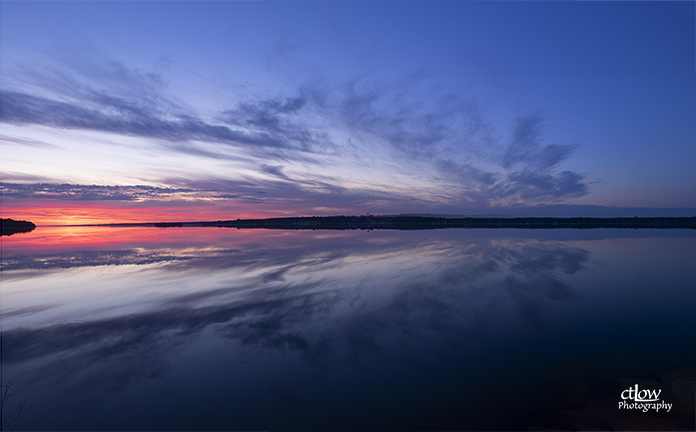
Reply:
x=126, y=101
x=448, y=135
x=408, y=128
x=279, y=121
x=26, y=142
x=88, y=192
x=531, y=167
x=298, y=197
x=118, y=115
x=527, y=151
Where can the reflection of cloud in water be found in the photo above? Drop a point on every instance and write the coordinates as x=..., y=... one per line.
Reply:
x=327, y=300
x=72, y=259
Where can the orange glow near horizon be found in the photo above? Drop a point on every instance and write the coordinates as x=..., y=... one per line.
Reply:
x=80, y=213
x=63, y=238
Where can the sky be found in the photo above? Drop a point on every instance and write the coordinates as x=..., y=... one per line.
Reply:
x=178, y=111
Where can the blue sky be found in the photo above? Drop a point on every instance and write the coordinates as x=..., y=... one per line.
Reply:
x=273, y=108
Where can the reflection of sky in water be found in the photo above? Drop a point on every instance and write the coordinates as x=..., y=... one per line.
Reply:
x=234, y=329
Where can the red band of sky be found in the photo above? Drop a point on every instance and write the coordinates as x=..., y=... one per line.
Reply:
x=47, y=212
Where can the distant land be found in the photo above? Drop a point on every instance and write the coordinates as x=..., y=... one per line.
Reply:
x=11, y=226
x=565, y=210
x=409, y=222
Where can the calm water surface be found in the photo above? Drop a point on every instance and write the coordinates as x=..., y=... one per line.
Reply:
x=224, y=329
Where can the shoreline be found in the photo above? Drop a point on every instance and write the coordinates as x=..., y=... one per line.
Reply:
x=421, y=223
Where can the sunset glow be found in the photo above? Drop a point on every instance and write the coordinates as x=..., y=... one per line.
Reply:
x=272, y=108
x=86, y=213
x=85, y=238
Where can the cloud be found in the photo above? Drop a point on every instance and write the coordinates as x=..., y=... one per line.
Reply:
x=88, y=192
x=527, y=151
x=118, y=115
x=407, y=128
x=298, y=196
x=279, y=120
x=531, y=175
x=409, y=115
x=26, y=142
x=528, y=186
x=448, y=134
x=125, y=101
x=274, y=170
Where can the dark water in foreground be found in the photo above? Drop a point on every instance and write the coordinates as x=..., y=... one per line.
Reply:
x=225, y=329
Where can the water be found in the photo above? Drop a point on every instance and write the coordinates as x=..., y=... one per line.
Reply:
x=226, y=329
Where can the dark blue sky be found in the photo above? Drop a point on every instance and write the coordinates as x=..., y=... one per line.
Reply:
x=333, y=107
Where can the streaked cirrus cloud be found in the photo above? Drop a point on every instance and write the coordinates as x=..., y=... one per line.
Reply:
x=360, y=142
